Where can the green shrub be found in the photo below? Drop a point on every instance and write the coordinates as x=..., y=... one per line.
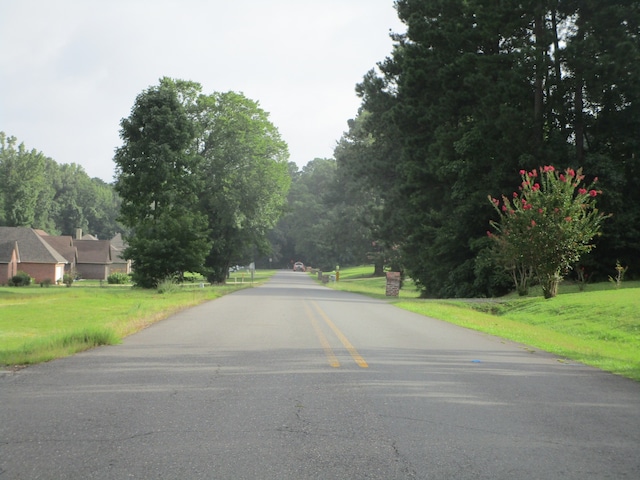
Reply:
x=20, y=279
x=192, y=277
x=47, y=282
x=118, y=278
x=67, y=279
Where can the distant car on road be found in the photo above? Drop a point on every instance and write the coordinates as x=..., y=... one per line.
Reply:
x=298, y=267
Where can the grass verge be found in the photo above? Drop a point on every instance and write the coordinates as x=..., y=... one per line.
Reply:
x=56, y=346
x=598, y=327
x=40, y=324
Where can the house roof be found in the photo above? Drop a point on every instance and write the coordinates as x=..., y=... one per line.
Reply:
x=116, y=254
x=33, y=249
x=117, y=241
x=117, y=248
x=63, y=244
x=93, y=251
x=7, y=249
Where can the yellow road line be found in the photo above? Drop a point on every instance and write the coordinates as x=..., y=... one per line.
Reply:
x=328, y=351
x=347, y=344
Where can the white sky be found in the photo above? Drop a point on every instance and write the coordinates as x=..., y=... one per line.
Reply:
x=71, y=69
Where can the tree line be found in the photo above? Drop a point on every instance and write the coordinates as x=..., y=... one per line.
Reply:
x=37, y=192
x=327, y=221
x=473, y=93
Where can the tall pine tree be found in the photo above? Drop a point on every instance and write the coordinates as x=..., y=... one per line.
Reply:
x=476, y=90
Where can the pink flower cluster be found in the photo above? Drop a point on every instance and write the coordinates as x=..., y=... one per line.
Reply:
x=546, y=169
x=570, y=172
x=532, y=174
x=592, y=193
x=530, y=186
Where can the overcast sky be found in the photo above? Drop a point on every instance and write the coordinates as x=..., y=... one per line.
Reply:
x=71, y=69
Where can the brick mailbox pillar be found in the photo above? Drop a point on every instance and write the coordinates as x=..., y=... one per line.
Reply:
x=393, y=284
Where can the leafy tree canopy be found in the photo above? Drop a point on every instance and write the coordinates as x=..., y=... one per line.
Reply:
x=156, y=179
x=210, y=165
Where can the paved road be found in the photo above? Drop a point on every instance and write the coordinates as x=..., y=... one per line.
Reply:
x=295, y=381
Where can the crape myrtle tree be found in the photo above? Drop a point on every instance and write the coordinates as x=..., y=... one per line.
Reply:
x=155, y=170
x=546, y=226
x=475, y=90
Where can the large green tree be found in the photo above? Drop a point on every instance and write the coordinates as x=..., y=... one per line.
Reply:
x=203, y=179
x=464, y=118
x=476, y=90
x=156, y=178
x=601, y=62
x=245, y=177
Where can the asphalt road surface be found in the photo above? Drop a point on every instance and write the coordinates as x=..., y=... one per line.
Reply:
x=292, y=380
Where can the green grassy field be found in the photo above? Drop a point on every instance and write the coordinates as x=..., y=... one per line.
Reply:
x=599, y=326
x=39, y=324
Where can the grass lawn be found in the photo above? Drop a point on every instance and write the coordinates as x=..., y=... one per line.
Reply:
x=599, y=326
x=39, y=324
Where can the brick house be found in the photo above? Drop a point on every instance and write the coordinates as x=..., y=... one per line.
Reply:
x=45, y=256
x=23, y=249
x=94, y=258
x=63, y=244
x=88, y=257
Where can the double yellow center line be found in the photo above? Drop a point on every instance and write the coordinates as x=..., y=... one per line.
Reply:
x=331, y=357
